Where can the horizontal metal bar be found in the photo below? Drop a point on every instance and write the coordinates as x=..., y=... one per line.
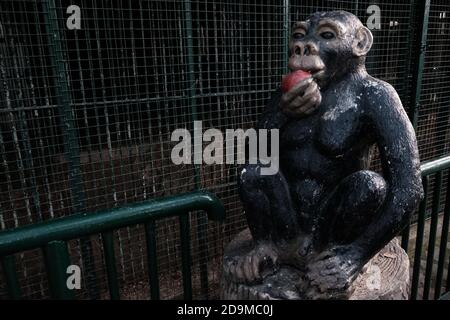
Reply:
x=83, y=224
x=433, y=166
x=131, y=101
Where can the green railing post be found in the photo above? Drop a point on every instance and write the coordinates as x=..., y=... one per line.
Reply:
x=423, y=17
x=110, y=262
x=12, y=283
x=405, y=237
x=419, y=240
x=447, y=285
x=150, y=235
x=71, y=147
x=186, y=256
x=57, y=260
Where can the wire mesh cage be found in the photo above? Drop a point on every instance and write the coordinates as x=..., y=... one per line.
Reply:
x=86, y=115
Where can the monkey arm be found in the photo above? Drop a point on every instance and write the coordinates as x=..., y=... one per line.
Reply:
x=272, y=117
x=397, y=144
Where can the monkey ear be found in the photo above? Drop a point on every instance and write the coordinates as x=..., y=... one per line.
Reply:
x=363, y=42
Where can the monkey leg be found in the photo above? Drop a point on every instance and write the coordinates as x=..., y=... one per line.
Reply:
x=350, y=208
x=268, y=205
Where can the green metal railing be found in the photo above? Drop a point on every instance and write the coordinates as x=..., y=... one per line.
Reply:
x=434, y=168
x=52, y=237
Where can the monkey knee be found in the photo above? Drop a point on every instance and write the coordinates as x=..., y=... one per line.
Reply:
x=360, y=196
x=370, y=188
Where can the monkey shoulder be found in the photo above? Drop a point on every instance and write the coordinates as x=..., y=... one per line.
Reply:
x=381, y=99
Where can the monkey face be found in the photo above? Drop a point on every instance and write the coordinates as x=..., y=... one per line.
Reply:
x=329, y=45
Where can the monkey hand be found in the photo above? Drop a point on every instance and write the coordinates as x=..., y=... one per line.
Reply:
x=254, y=266
x=330, y=274
x=302, y=100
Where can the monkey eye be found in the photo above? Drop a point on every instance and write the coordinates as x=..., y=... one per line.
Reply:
x=298, y=35
x=327, y=35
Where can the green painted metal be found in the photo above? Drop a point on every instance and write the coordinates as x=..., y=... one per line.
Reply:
x=84, y=224
x=110, y=262
x=150, y=235
x=286, y=34
x=406, y=94
x=191, y=93
x=423, y=17
x=443, y=244
x=12, y=282
x=445, y=296
x=202, y=224
x=57, y=260
x=53, y=234
x=429, y=168
x=186, y=256
x=447, y=285
x=64, y=102
x=433, y=231
x=67, y=124
x=419, y=240
x=433, y=166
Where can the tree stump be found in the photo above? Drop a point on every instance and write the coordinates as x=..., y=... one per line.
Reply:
x=384, y=277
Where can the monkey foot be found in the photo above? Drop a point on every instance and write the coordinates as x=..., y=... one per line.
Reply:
x=250, y=263
x=384, y=277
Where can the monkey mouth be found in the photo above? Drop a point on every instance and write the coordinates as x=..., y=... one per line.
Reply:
x=320, y=77
x=317, y=74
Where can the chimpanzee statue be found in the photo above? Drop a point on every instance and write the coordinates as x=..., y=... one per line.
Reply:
x=325, y=212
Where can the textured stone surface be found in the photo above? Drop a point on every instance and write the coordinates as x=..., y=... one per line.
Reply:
x=384, y=277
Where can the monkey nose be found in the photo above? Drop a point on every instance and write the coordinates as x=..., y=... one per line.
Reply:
x=307, y=51
x=303, y=50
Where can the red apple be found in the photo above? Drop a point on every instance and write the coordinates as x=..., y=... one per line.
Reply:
x=292, y=79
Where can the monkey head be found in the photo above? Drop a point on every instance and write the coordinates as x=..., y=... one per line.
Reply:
x=329, y=45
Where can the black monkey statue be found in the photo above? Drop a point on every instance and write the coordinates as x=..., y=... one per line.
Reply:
x=325, y=212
